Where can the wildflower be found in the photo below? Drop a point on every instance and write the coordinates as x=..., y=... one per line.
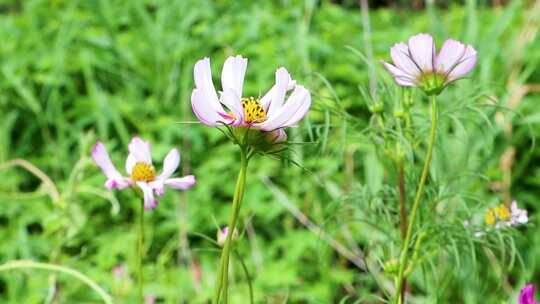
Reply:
x=416, y=64
x=268, y=114
x=501, y=216
x=222, y=235
x=526, y=295
x=141, y=172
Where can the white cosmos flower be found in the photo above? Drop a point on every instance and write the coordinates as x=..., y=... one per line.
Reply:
x=269, y=113
x=141, y=172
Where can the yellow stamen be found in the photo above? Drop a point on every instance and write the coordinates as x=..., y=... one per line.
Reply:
x=143, y=172
x=253, y=110
x=502, y=213
x=490, y=217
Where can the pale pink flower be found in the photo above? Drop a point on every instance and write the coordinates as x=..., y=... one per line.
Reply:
x=269, y=113
x=416, y=63
x=526, y=296
x=141, y=172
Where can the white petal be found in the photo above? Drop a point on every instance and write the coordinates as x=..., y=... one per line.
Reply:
x=464, y=66
x=278, y=92
x=403, y=61
x=149, y=201
x=305, y=101
x=171, y=162
x=422, y=50
x=103, y=161
x=233, y=102
x=295, y=104
x=267, y=98
x=232, y=75
x=140, y=150
x=203, y=81
x=130, y=163
x=204, y=112
x=181, y=183
x=450, y=54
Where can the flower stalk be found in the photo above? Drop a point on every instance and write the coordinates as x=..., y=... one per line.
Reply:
x=140, y=253
x=404, y=257
x=222, y=288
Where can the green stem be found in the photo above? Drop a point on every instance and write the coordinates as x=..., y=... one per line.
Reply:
x=223, y=274
x=248, y=277
x=140, y=254
x=404, y=249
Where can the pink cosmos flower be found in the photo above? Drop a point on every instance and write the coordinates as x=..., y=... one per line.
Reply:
x=269, y=113
x=526, y=296
x=141, y=172
x=416, y=64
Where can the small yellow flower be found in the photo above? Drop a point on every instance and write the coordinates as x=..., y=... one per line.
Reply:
x=490, y=217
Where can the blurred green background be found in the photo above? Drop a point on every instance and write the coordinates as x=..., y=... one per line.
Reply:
x=72, y=72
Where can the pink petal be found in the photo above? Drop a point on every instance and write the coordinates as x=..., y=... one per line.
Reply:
x=403, y=61
x=464, y=66
x=422, y=50
x=451, y=52
x=526, y=296
x=171, y=162
x=279, y=91
x=103, y=161
x=232, y=75
x=140, y=150
x=401, y=78
x=149, y=201
x=202, y=109
x=181, y=183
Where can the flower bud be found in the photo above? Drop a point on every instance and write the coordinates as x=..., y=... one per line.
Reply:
x=222, y=235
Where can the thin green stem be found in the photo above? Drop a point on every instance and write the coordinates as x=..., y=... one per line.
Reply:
x=223, y=274
x=248, y=277
x=140, y=254
x=405, y=247
x=45, y=266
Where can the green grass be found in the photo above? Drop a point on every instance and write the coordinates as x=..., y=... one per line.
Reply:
x=72, y=72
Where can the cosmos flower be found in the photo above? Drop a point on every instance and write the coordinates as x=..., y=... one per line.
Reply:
x=141, y=172
x=526, y=296
x=416, y=64
x=271, y=113
x=222, y=235
x=501, y=216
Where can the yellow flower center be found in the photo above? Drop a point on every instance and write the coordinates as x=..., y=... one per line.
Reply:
x=143, y=172
x=253, y=110
x=502, y=212
x=499, y=213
